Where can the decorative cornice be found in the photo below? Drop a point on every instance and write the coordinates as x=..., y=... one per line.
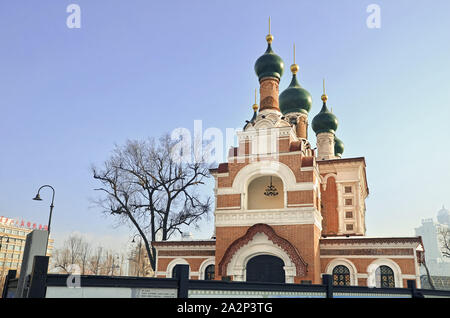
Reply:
x=370, y=240
x=199, y=243
x=287, y=216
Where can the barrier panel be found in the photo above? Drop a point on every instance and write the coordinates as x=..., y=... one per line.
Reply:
x=40, y=284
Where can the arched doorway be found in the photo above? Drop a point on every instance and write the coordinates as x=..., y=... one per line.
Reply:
x=265, y=268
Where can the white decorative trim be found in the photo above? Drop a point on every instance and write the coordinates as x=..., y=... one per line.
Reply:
x=287, y=216
x=187, y=256
x=162, y=273
x=264, y=168
x=369, y=256
x=356, y=245
x=371, y=271
x=303, y=186
x=259, y=245
x=229, y=208
x=254, y=157
x=175, y=262
x=351, y=267
x=186, y=247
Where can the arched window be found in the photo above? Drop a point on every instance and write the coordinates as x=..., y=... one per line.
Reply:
x=174, y=270
x=209, y=272
x=266, y=192
x=385, y=277
x=341, y=276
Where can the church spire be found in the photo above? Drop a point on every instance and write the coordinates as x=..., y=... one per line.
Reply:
x=324, y=125
x=269, y=69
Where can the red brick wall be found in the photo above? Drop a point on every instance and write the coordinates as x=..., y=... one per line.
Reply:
x=304, y=237
x=228, y=200
x=300, y=197
x=330, y=222
x=407, y=266
x=194, y=264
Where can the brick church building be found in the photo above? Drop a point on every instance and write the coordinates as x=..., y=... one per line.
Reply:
x=287, y=211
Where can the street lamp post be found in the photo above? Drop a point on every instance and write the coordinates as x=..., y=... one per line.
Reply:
x=139, y=255
x=38, y=198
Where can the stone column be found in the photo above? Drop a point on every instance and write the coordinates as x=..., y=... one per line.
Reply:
x=325, y=146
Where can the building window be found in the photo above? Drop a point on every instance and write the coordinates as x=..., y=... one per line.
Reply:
x=209, y=272
x=385, y=277
x=348, y=201
x=348, y=189
x=349, y=227
x=341, y=276
x=348, y=214
x=173, y=270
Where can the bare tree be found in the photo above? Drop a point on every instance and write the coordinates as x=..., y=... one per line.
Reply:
x=444, y=238
x=70, y=253
x=84, y=256
x=143, y=183
x=77, y=251
x=429, y=278
x=95, y=261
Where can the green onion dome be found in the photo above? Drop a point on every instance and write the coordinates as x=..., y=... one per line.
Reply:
x=338, y=147
x=324, y=121
x=269, y=64
x=295, y=99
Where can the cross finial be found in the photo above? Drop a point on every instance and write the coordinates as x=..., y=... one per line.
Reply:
x=294, y=67
x=269, y=37
x=255, y=105
x=324, y=95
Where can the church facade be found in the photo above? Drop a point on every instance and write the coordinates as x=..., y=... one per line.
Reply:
x=286, y=211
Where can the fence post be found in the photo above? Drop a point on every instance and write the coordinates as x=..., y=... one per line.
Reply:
x=11, y=275
x=182, y=275
x=38, y=281
x=411, y=283
x=328, y=282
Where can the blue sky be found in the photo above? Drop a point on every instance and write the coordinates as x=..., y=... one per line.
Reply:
x=142, y=68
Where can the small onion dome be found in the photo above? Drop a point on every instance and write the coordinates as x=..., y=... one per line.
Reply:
x=338, y=147
x=255, y=112
x=295, y=99
x=324, y=121
x=269, y=64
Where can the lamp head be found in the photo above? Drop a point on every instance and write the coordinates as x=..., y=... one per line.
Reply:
x=37, y=197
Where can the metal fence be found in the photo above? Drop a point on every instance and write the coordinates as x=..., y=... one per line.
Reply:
x=42, y=285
